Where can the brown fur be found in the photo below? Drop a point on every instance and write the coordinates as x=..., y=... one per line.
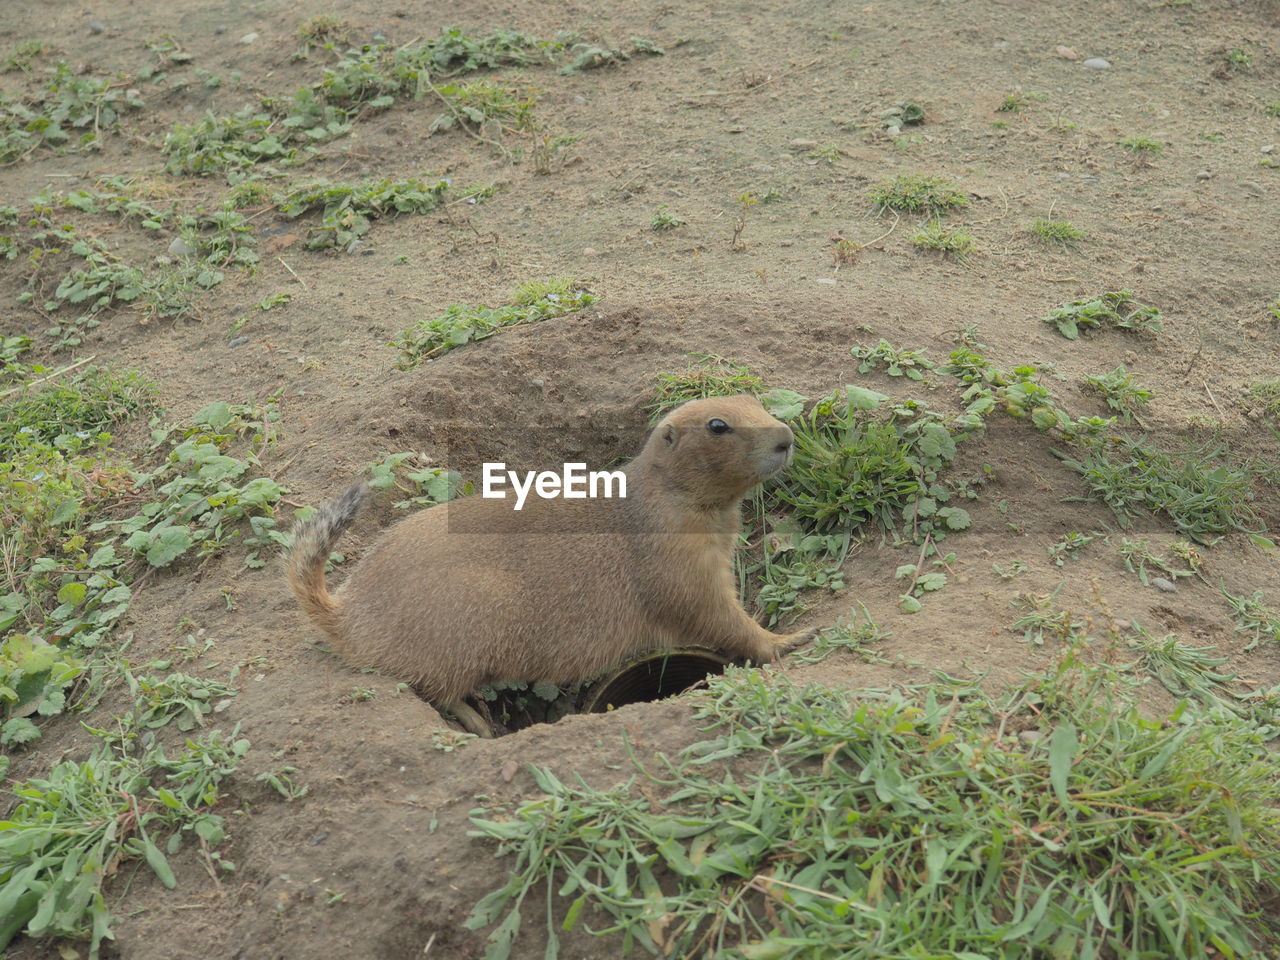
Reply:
x=472, y=592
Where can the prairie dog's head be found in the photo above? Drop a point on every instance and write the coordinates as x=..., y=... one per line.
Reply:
x=719, y=448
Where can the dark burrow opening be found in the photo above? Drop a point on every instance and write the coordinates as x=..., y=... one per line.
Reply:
x=655, y=676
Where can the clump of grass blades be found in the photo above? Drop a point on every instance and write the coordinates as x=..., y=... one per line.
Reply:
x=949, y=241
x=1056, y=232
x=463, y=322
x=855, y=465
x=707, y=376
x=1203, y=492
x=900, y=819
x=912, y=193
x=83, y=405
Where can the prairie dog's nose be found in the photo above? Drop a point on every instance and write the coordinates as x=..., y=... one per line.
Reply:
x=785, y=440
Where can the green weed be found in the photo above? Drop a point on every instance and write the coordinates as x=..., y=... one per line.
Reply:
x=464, y=323
x=793, y=563
x=1070, y=545
x=1141, y=146
x=1252, y=615
x=912, y=193
x=902, y=818
x=347, y=210
x=72, y=110
x=856, y=462
x=70, y=831
x=1239, y=60
x=664, y=219
x=897, y=363
x=1059, y=233
x=1117, y=308
x=1123, y=394
x=1264, y=397
x=1202, y=491
x=847, y=635
x=1043, y=618
x=1138, y=555
x=949, y=241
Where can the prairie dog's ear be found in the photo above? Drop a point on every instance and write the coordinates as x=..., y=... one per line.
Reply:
x=669, y=435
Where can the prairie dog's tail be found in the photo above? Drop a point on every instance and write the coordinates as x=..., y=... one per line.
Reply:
x=312, y=541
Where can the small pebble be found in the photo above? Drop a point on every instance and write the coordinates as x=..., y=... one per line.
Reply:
x=1097, y=63
x=830, y=280
x=800, y=144
x=1160, y=583
x=1067, y=53
x=181, y=248
x=249, y=38
x=590, y=252
x=1203, y=175
x=96, y=26
x=1253, y=187
x=786, y=243
x=237, y=342
x=220, y=29
x=1268, y=148
x=1030, y=736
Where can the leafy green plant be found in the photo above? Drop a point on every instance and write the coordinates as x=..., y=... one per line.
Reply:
x=348, y=209
x=1070, y=545
x=664, y=219
x=464, y=323
x=71, y=110
x=1239, y=60
x=855, y=464
x=1044, y=618
x=1059, y=233
x=70, y=831
x=949, y=241
x=1123, y=394
x=913, y=193
x=1264, y=396
x=897, y=363
x=933, y=806
x=795, y=564
x=479, y=103
x=1117, y=308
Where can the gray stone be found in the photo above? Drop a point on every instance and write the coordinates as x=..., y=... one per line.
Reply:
x=96, y=26
x=180, y=247
x=1097, y=63
x=248, y=38
x=1160, y=583
x=237, y=342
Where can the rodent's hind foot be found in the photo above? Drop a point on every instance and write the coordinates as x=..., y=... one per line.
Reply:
x=469, y=717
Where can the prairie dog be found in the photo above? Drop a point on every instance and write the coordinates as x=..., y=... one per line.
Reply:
x=471, y=592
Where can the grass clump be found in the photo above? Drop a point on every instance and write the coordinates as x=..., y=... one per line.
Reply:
x=82, y=407
x=902, y=818
x=1202, y=491
x=1117, y=308
x=912, y=193
x=1123, y=394
x=1264, y=396
x=1141, y=146
x=949, y=241
x=857, y=462
x=1059, y=233
x=707, y=376
x=72, y=110
x=464, y=323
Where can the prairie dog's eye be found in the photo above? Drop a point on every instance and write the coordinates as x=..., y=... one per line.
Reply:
x=718, y=426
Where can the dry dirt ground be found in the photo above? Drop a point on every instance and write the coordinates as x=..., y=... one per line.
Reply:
x=764, y=96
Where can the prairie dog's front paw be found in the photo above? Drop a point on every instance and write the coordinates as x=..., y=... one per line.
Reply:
x=791, y=641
